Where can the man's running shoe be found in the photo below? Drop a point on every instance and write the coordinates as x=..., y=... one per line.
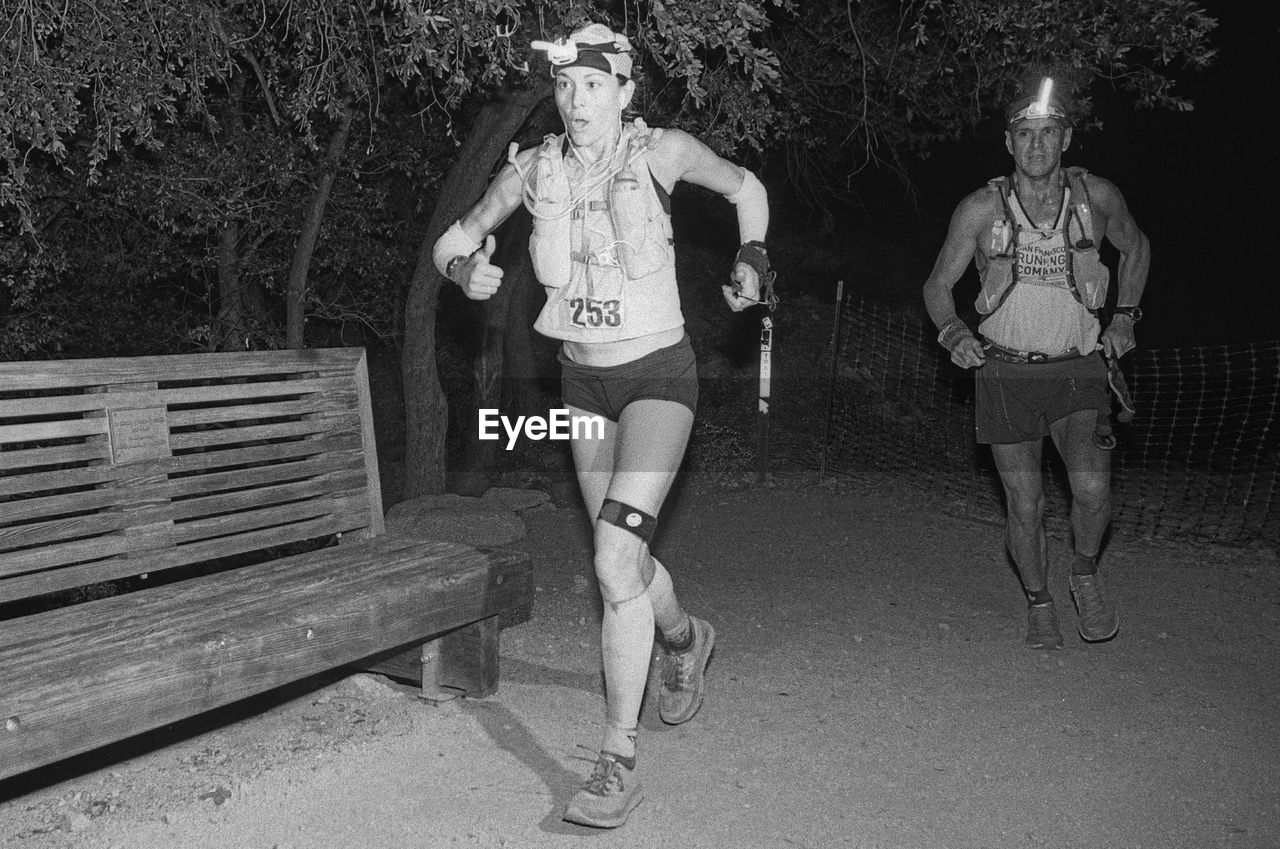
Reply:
x=1042, y=627
x=1098, y=620
x=609, y=795
x=684, y=683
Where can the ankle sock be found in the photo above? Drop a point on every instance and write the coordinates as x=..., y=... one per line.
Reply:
x=682, y=639
x=620, y=741
x=1038, y=597
x=1083, y=565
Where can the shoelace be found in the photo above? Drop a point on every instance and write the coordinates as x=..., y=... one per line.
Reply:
x=680, y=670
x=1088, y=593
x=605, y=775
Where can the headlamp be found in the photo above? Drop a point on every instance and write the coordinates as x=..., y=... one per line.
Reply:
x=1044, y=105
x=1040, y=107
x=595, y=46
x=562, y=51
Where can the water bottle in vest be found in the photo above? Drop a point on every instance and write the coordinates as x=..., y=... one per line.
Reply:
x=630, y=212
x=998, y=277
x=549, y=247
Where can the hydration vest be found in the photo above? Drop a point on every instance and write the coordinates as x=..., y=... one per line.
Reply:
x=602, y=248
x=1086, y=275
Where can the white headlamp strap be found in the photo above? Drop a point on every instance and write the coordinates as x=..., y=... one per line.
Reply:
x=609, y=56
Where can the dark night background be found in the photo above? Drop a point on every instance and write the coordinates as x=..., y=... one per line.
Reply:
x=1201, y=184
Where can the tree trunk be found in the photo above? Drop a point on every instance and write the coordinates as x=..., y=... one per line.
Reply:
x=426, y=409
x=523, y=394
x=229, y=332
x=512, y=256
x=296, y=293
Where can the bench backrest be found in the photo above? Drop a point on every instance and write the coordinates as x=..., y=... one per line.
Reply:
x=111, y=468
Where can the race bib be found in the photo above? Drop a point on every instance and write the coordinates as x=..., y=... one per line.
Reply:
x=594, y=312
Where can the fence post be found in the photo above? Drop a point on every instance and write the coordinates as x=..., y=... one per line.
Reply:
x=831, y=379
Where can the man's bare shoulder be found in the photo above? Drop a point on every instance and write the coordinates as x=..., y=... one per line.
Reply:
x=977, y=209
x=1103, y=193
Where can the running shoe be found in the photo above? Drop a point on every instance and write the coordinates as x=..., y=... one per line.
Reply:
x=1098, y=620
x=609, y=795
x=684, y=683
x=1042, y=627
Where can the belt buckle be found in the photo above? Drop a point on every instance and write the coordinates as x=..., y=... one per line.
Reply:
x=1037, y=357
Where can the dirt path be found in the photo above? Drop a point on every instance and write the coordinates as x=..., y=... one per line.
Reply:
x=869, y=690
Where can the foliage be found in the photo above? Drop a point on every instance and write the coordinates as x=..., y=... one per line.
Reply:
x=178, y=120
x=868, y=82
x=158, y=157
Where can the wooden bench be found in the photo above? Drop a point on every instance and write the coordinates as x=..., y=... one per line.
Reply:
x=232, y=504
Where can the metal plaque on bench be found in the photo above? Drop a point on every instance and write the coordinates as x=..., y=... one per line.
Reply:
x=138, y=435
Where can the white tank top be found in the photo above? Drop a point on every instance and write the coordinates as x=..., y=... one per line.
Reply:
x=600, y=303
x=1040, y=313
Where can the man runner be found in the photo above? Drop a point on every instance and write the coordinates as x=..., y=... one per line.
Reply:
x=1038, y=355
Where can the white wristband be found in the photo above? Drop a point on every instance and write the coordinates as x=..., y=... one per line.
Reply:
x=454, y=242
x=751, y=188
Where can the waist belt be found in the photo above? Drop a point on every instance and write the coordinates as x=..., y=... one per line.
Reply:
x=1008, y=355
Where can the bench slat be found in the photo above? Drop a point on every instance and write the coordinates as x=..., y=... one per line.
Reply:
x=228, y=435
x=23, y=484
x=329, y=392
x=169, y=546
x=58, y=530
x=27, y=458
x=193, y=508
x=16, y=536
x=107, y=669
x=307, y=405
x=262, y=475
x=246, y=519
x=95, y=499
x=125, y=370
x=340, y=440
x=60, y=429
x=60, y=505
x=132, y=399
x=62, y=554
x=112, y=568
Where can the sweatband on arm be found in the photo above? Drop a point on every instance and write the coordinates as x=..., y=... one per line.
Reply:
x=952, y=332
x=454, y=242
x=756, y=255
x=751, y=189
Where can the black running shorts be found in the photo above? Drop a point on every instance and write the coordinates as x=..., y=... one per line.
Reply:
x=667, y=374
x=1016, y=402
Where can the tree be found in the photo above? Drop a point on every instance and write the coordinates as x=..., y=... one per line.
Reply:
x=713, y=77
x=867, y=83
x=270, y=89
x=211, y=136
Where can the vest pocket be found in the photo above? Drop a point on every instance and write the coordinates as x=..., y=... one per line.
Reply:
x=996, y=281
x=549, y=247
x=643, y=233
x=549, y=251
x=1092, y=277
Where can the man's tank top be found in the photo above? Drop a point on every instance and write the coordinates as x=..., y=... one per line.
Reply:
x=1041, y=314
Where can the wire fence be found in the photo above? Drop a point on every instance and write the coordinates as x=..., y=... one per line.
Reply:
x=1198, y=463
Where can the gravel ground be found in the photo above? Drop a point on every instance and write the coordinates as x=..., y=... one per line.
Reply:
x=869, y=689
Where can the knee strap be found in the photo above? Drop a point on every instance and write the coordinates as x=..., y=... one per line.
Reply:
x=629, y=518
